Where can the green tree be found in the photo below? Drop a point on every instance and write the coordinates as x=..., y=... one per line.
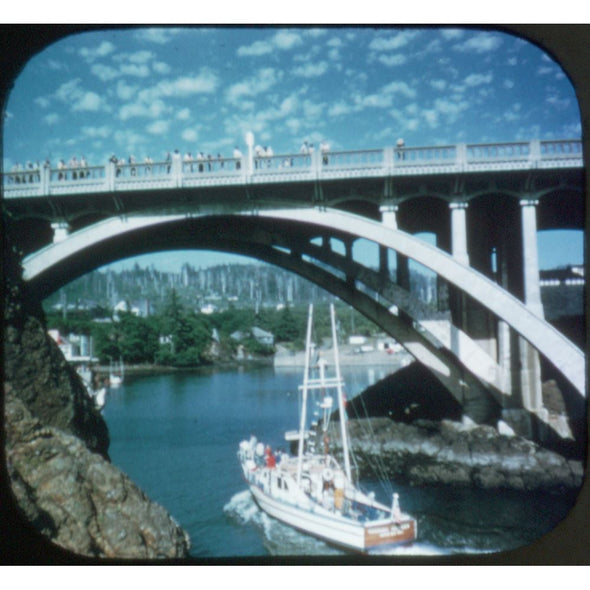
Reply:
x=139, y=339
x=286, y=328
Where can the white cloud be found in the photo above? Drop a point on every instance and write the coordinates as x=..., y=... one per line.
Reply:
x=102, y=50
x=89, y=101
x=399, y=88
x=203, y=83
x=478, y=79
x=42, y=101
x=339, y=108
x=311, y=70
x=479, y=43
x=140, y=57
x=286, y=40
x=125, y=91
x=256, y=49
x=439, y=84
x=51, y=118
x=396, y=59
x=388, y=43
x=283, y=40
x=159, y=127
x=157, y=35
x=104, y=73
x=183, y=114
x=96, y=132
x=452, y=34
x=161, y=67
x=261, y=82
x=153, y=109
x=190, y=135
x=138, y=70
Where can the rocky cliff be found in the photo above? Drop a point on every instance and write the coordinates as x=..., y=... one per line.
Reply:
x=59, y=481
x=450, y=453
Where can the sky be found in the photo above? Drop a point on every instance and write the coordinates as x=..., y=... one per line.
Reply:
x=147, y=91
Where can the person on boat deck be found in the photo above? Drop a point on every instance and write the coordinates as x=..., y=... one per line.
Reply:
x=271, y=460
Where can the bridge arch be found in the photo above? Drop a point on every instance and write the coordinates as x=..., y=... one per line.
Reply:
x=92, y=247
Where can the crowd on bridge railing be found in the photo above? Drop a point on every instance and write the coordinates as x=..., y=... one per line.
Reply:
x=77, y=168
x=262, y=160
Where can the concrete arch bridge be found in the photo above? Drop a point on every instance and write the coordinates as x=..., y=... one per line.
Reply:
x=477, y=368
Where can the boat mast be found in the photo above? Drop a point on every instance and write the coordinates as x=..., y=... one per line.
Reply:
x=303, y=416
x=341, y=408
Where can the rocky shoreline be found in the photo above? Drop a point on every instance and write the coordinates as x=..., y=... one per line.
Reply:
x=62, y=499
x=448, y=453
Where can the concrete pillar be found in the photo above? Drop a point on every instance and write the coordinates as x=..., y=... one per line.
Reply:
x=250, y=156
x=459, y=232
x=61, y=231
x=532, y=396
x=532, y=287
x=389, y=215
x=177, y=169
x=389, y=219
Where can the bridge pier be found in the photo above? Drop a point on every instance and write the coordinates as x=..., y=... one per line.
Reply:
x=61, y=231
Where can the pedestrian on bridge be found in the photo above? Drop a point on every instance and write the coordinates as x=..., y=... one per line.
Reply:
x=238, y=157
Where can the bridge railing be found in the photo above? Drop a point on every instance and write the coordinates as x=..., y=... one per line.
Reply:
x=281, y=163
x=38, y=180
x=426, y=156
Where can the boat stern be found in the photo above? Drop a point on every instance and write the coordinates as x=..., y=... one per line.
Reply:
x=390, y=533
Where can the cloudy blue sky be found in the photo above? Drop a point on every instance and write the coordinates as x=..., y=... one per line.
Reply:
x=150, y=90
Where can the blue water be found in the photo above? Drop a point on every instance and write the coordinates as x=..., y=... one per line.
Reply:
x=177, y=436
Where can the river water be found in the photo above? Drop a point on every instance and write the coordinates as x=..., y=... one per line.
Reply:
x=177, y=437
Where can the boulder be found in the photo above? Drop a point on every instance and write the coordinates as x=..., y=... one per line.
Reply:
x=80, y=500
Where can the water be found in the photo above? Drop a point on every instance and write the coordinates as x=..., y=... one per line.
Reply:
x=177, y=437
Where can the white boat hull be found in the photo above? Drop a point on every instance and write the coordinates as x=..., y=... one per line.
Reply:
x=310, y=491
x=334, y=530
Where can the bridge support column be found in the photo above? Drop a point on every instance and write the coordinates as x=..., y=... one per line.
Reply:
x=530, y=366
x=532, y=287
x=389, y=219
x=520, y=413
x=459, y=232
x=61, y=230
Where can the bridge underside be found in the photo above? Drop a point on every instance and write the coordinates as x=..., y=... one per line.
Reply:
x=485, y=388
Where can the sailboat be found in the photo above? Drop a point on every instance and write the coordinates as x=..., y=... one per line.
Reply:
x=116, y=374
x=311, y=491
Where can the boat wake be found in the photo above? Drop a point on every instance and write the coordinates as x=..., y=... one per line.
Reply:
x=278, y=539
x=282, y=540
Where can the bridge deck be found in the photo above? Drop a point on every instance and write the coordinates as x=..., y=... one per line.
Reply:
x=177, y=172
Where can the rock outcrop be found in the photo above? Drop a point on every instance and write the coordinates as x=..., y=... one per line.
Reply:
x=78, y=499
x=59, y=478
x=450, y=453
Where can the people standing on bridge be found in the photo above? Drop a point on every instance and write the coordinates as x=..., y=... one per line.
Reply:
x=148, y=165
x=73, y=164
x=324, y=149
x=132, y=165
x=84, y=168
x=304, y=149
x=258, y=154
x=200, y=161
x=168, y=162
x=269, y=154
x=61, y=166
x=238, y=157
x=399, y=149
x=16, y=173
x=188, y=160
